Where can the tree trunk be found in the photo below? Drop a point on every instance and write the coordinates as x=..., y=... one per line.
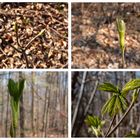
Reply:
x=32, y=105
x=22, y=115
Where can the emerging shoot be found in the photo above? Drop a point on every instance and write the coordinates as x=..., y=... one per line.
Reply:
x=15, y=90
x=121, y=30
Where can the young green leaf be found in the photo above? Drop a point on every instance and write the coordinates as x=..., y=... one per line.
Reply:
x=135, y=95
x=115, y=104
x=12, y=87
x=109, y=88
x=122, y=103
x=95, y=124
x=20, y=87
x=131, y=85
x=16, y=88
x=108, y=105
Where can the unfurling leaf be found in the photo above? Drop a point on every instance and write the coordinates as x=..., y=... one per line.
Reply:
x=15, y=88
x=95, y=124
x=121, y=30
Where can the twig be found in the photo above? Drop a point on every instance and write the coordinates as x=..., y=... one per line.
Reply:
x=26, y=58
x=111, y=124
x=2, y=51
x=16, y=48
x=39, y=34
x=65, y=66
x=58, y=33
x=21, y=47
x=91, y=98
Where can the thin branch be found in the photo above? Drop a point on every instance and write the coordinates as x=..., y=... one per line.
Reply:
x=111, y=124
x=21, y=48
x=26, y=58
x=17, y=39
x=91, y=98
x=39, y=34
x=58, y=33
x=16, y=48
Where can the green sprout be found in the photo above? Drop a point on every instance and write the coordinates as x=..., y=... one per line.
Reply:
x=15, y=26
x=121, y=30
x=95, y=124
x=15, y=90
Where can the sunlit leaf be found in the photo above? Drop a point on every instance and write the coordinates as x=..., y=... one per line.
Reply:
x=115, y=104
x=108, y=105
x=108, y=87
x=131, y=85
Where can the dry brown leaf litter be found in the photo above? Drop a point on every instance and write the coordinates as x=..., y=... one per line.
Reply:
x=49, y=50
x=95, y=39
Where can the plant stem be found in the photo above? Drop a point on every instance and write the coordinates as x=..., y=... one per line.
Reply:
x=26, y=59
x=123, y=59
x=21, y=49
x=125, y=114
x=111, y=124
x=34, y=38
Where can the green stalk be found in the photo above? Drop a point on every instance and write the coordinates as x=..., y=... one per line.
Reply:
x=123, y=59
x=15, y=116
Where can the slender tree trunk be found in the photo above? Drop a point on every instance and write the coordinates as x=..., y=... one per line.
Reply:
x=38, y=117
x=6, y=119
x=44, y=112
x=47, y=114
x=32, y=105
x=2, y=110
x=79, y=99
x=22, y=115
x=7, y=108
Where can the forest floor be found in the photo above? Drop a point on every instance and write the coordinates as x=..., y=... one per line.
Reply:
x=95, y=38
x=25, y=46
x=50, y=134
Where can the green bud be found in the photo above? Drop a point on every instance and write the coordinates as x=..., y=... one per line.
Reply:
x=121, y=30
x=15, y=26
x=41, y=32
